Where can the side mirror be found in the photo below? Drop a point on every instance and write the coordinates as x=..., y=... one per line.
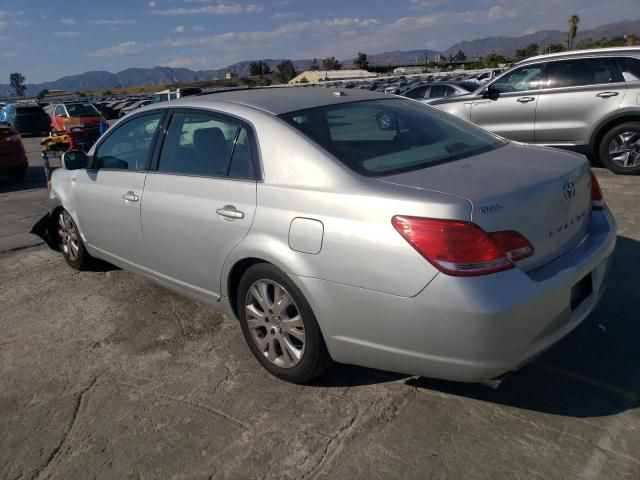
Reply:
x=74, y=160
x=491, y=92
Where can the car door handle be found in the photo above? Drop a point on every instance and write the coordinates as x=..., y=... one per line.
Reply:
x=607, y=94
x=229, y=211
x=526, y=99
x=130, y=197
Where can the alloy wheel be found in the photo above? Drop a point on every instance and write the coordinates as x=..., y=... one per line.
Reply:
x=68, y=233
x=275, y=323
x=624, y=149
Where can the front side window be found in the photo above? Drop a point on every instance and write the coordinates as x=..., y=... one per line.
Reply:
x=521, y=79
x=630, y=69
x=383, y=137
x=202, y=145
x=59, y=111
x=583, y=72
x=128, y=147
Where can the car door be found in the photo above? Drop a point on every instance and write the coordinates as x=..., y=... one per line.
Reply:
x=578, y=93
x=108, y=193
x=508, y=106
x=199, y=200
x=58, y=118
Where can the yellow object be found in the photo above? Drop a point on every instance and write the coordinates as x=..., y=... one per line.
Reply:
x=55, y=141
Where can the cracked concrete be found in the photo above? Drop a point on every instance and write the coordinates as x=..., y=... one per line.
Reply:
x=105, y=375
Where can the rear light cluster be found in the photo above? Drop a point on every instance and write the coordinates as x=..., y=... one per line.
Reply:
x=597, y=201
x=462, y=248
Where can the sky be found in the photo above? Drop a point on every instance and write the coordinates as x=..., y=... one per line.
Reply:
x=48, y=39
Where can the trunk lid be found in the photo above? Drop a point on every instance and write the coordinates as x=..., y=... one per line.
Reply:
x=545, y=194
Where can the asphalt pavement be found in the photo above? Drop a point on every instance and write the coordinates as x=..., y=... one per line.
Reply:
x=104, y=374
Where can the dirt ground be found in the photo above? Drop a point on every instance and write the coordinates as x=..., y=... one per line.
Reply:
x=106, y=375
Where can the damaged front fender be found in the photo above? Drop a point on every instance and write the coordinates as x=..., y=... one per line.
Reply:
x=47, y=227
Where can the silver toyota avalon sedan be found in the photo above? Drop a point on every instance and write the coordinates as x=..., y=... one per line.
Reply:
x=351, y=227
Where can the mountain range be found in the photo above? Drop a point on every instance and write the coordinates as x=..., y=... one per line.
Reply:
x=477, y=48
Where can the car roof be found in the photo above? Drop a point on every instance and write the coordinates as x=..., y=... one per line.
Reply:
x=282, y=100
x=593, y=52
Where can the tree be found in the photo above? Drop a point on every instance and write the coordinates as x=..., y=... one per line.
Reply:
x=460, y=56
x=574, y=20
x=41, y=94
x=530, y=50
x=493, y=59
x=314, y=65
x=362, y=62
x=17, y=83
x=630, y=39
x=259, y=68
x=330, y=63
x=304, y=80
x=285, y=71
x=107, y=92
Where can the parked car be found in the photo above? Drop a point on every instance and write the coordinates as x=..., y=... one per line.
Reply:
x=358, y=227
x=486, y=76
x=13, y=159
x=78, y=114
x=430, y=91
x=584, y=100
x=134, y=106
x=27, y=119
x=105, y=110
x=167, y=95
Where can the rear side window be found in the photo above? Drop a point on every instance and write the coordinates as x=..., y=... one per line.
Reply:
x=203, y=145
x=630, y=69
x=438, y=91
x=383, y=137
x=128, y=147
x=584, y=72
x=416, y=93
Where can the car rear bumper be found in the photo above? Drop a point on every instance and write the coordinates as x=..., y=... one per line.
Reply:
x=465, y=328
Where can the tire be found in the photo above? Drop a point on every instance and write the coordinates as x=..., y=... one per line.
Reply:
x=291, y=344
x=624, y=139
x=70, y=242
x=17, y=175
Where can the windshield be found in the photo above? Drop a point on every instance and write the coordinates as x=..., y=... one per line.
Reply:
x=383, y=137
x=81, y=110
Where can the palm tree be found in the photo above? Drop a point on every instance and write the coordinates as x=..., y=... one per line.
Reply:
x=574, y=20
x=17, y=83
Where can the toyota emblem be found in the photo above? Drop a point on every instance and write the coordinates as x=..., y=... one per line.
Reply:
x=569, y=190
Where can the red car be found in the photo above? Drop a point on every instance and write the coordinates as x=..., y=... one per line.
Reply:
x=77, y=114
x=13, y=159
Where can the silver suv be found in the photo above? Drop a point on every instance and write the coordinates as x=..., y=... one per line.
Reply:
x=586, y=100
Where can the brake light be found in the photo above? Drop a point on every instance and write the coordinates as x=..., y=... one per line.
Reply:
x=513, y=244
x=597, y=201
x=462, y=248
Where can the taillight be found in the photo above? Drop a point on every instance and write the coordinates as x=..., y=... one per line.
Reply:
x=462, y=248
x=513, y=244
x=597, y=202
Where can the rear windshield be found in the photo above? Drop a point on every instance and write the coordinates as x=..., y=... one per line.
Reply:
x=31, y=110
x=81, y=110
x=383, y=137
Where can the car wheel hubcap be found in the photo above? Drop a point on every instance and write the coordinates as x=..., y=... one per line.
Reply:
x=275, y=323
x=68, y=233
x=624, y=149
